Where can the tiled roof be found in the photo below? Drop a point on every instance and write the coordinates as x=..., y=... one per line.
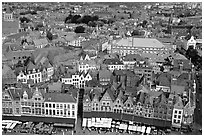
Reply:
x=38, y=42
x=112, y=62
x=104, y=73
x=140, y=42
x=5, y=69
x=59, y=97
x=55, y=86
x=132, y=57
x=31, y=66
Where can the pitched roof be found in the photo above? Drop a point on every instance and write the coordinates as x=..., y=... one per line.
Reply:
x=59, y=97
x=86, y=98
x=132, y=57
x=5, y=69
x=42, y=41
x=110, y=93
x=113, y=62
x=8, y=10
x=55, y=86
x=31, y=66
x=140, y=42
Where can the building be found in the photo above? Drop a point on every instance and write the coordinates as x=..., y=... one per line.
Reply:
x=143, y=69
x=77, y=79
x=177, y=115
x=130, y=60
x=8, y=14
x=191, y=43
x=34, y=102
x=7, y=103
x=8, y=76
x=104, y=76
x=132, y=45
x=60, y=105
x=40, y=43
x=86, y=65
x=32, y=72
x=113, y=64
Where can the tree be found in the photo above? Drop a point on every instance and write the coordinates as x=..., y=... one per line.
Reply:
x=79, y=29
x=75, y=18
x=92, y=24
x=49, y=35
x=68, y=18
x=135, y=32
x=24, y=19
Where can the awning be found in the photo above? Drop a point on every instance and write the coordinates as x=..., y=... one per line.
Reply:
x=89, y=123
x=131, y=122
x=93, y=122
x=139, y=128
x=134, y=128
x=121, y=126
x=148, y=130
x=130, y=127
x=84, y=122
x=143, y=129
x=63, y=125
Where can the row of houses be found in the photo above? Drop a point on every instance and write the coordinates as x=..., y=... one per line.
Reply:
x=36, y=102
x=142, y=104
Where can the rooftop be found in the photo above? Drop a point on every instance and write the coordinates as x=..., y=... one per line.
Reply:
x=140, y=42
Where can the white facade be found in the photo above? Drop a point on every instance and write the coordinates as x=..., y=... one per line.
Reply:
x=77, y=80
x=22, y=77
x=36, y=76
x=61, y=109
x=86, y=67
x=191, y=42
x=117, y=67
x=177, y=117
x=50, y=72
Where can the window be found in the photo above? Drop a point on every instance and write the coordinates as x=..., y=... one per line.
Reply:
x=73, y=113
x=50, y=105
x=68, y=106
x=46, y=112
x=179, y=117
x=57, y=112
x=68, y=113
x=50, y=112
x=73, y=107
x=61, y=106
x=175, y=111
x=57, y=105
x=53, y=105
x=175, y=116
x=178, y=121
x=53, y=112
x=179, y=112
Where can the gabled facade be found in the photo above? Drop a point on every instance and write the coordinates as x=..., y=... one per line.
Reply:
x=87, y=103
x=128, y=105
x=106, y=101
x=118, y=103
x=7, y=103
x=188, y=115
x=95, y=103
